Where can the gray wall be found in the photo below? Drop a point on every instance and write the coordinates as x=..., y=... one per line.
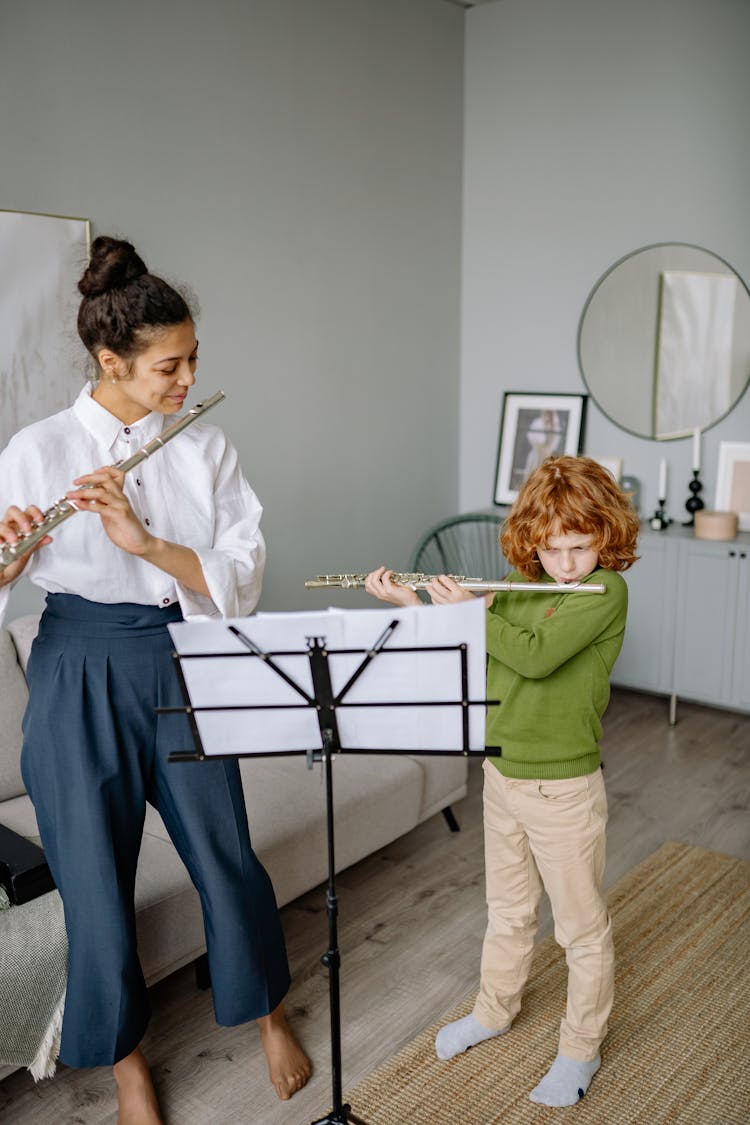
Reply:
x=298, y=164
x=592, y=128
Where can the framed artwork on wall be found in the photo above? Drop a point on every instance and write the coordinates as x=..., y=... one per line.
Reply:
x=41, y=359
x=733, y=481
x=613, y=465
x=532, y=428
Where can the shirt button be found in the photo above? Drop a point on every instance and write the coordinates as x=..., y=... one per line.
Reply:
x=147, y=522
x=137, y=481
x=127, y=429
x=165, y=601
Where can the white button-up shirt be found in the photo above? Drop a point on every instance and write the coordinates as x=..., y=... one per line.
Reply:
x=192, y=492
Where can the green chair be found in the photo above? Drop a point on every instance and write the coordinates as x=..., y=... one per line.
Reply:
x=466, y=544
x=461, y=545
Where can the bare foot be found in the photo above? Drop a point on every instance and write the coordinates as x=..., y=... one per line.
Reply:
x=136, y=1096
x=288, y=1066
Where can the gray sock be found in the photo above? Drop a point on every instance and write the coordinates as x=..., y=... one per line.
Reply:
x=566, y=1081
x=458, y=1036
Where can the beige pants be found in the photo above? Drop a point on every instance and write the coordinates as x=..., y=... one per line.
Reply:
x=551, y=834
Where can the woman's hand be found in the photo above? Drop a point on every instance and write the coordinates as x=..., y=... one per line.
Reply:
x=101, y=493
x=15, y=523
x=444, y=591
x=380, y=584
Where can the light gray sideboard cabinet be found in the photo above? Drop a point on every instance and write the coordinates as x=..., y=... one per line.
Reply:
x=688, y=631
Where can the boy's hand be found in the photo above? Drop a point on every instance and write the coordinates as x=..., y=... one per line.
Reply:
x=379, y=583
x=444, y=591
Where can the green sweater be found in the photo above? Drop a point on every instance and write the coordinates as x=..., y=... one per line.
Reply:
x=549, y=659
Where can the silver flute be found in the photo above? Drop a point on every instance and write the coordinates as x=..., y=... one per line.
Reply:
x=419, y=581
x=64, y=508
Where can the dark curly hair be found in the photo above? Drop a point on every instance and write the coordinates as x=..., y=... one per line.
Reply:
x=570, y=494
x=124, y=305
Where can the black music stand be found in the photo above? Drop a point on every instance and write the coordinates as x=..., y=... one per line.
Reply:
x=326, y=701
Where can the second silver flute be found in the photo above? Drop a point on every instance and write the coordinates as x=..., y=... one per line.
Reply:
x=64, y=508
x=478, y=585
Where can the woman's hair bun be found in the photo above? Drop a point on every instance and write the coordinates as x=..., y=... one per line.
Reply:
x=113, y=265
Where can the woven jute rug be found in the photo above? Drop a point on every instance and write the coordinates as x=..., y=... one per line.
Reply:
x=677, y=1048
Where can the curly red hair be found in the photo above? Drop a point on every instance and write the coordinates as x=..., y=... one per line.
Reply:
x=570, y=494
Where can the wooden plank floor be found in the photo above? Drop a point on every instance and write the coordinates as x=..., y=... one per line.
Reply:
x=410, y=929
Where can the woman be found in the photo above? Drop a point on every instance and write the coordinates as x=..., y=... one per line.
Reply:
x=177, y=538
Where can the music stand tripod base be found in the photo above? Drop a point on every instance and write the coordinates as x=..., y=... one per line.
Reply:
x=344, y=1117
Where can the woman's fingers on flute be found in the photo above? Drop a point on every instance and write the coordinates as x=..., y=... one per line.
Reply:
x=16, y=523
x=100, y=491
x=101, y=476
x=37, y=515
x=19, y=521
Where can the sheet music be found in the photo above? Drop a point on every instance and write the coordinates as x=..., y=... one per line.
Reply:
x=414, y=677
x=220, y=672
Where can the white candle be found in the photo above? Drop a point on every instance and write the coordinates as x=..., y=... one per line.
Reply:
x=696, y=449
x=663, y=479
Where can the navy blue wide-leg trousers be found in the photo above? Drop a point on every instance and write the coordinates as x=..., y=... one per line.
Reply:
x=94, y=752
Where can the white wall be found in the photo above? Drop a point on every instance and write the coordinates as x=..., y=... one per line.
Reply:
x=298, y=164
x=592, y=128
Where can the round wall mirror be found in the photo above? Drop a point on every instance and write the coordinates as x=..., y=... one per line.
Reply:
x=664, y=340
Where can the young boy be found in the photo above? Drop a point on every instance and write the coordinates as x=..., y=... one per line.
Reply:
x=545, y=809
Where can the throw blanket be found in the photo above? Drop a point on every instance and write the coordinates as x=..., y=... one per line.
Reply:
x=33, y=972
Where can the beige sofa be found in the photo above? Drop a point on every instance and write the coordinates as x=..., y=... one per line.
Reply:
x=376, y=799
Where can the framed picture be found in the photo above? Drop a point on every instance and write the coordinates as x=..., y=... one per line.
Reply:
x=532, y=428
x=733, y=481
x=613, y=465
x=41, y=259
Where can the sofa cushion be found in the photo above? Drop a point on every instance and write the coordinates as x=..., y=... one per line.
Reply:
x=376, y=798
x=23, y=630
x=17, y=813
x=13, y=697
x=444, y=781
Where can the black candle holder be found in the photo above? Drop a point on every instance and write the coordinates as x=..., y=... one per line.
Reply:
x=694, y=502
x=660, y=521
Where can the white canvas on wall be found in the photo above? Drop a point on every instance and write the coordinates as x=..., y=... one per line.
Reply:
x=41, y=359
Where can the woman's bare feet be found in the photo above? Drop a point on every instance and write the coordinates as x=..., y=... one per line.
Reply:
x=288, y=1066
x=136, y=1096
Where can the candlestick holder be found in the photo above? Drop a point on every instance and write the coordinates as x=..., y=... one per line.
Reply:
x=660, y=521
x=694, y=502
